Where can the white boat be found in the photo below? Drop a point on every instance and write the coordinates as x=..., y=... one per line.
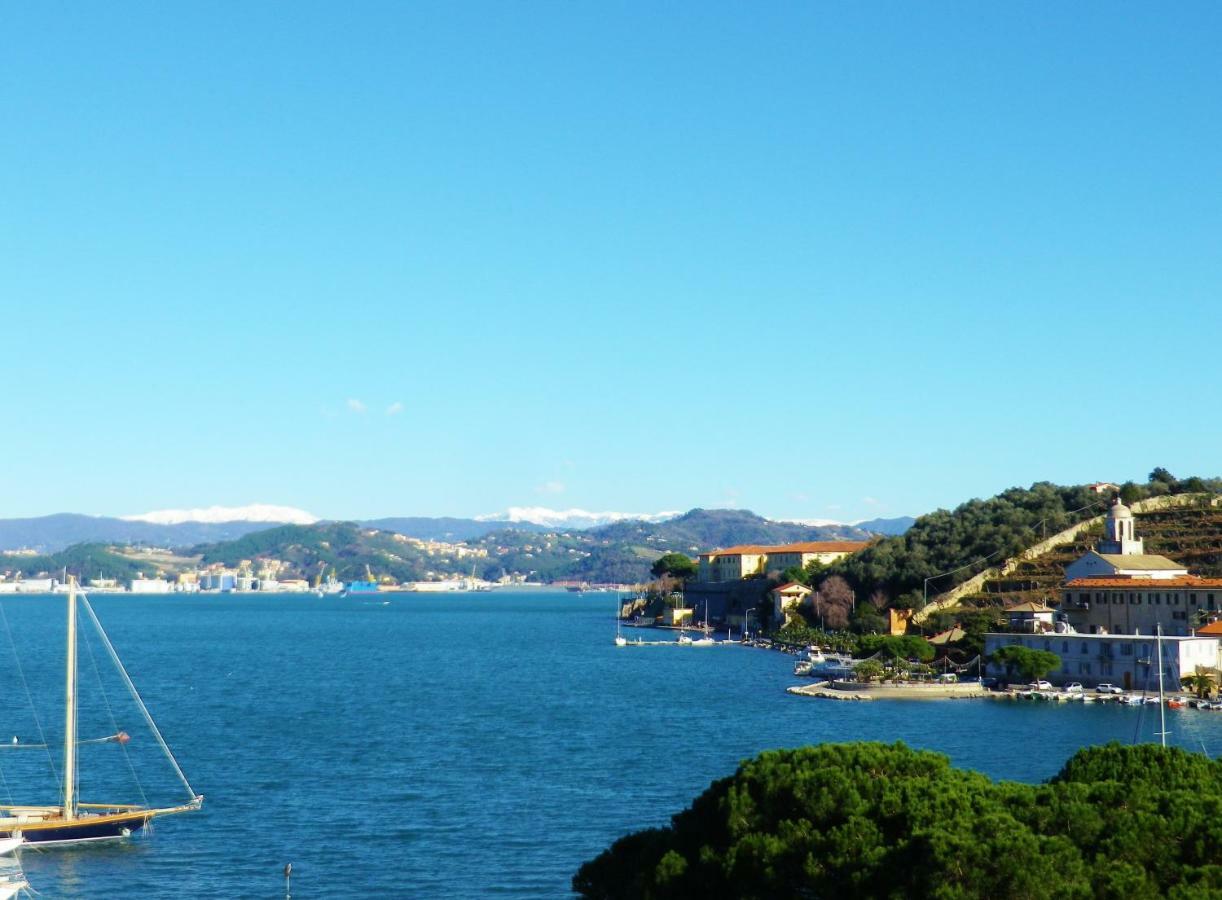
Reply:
x=8, y=845
x=11, y=887
x=684, y=639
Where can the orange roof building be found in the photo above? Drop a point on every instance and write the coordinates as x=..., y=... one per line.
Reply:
x=744, y=560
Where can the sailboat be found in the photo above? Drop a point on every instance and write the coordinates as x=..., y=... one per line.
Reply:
x=72, y=821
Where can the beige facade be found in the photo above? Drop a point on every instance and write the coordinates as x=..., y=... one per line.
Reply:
x=786, y=599
x=742, y=561
x=1139, y=606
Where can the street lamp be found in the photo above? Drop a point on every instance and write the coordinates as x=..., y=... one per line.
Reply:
x=746, y=615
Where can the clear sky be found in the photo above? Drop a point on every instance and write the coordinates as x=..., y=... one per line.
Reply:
x=812, y=259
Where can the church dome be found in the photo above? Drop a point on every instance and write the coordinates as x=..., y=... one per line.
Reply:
x=1119, y=511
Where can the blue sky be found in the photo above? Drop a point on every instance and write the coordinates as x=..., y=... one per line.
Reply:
x=815, y=260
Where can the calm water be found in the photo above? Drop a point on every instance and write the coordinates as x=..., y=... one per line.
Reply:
x=465, y=745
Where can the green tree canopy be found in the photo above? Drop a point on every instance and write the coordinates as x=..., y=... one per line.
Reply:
x=1030, y=664
x=674, y=564
x=875, y=820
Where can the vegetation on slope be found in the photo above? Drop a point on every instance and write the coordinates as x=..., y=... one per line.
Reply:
x=875, y=820
x=949, y=547
x=85, y=561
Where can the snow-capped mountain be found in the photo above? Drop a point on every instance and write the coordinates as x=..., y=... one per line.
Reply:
x=570, y=518
x=255, y=512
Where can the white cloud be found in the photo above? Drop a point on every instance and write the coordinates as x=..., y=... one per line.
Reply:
x=356, y=406
x=819, y=522
x=394, y=409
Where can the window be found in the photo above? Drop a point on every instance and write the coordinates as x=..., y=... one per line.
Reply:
x=1064, y=646
x=1117, y=599
x=1126, y=649
x=1047, y=644
x=1085, y=648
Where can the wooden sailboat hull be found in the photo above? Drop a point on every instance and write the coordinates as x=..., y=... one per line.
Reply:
x=111, y=824
x=105, y=828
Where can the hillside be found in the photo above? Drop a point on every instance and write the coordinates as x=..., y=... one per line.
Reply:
x=1190, y=536
x=708, y=529
x=448, y=528
x=947, y=547
x=50, y=534
x=83, y=560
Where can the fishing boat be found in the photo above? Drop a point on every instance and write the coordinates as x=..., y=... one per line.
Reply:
x=72, y=821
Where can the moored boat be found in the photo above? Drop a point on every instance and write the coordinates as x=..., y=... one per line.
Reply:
x=72, y=821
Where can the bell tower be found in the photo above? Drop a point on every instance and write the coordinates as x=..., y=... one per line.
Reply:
x=1118, y=535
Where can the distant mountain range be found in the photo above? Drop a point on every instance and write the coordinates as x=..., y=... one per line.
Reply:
x=697, y=529
x=889, y=527
x=50, y=534
x=618, y=552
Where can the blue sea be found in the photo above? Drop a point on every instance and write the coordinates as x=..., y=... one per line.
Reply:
x=464, y=745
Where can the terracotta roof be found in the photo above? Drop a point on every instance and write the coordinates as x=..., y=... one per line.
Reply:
x=792, y=584
x=1213, y=629
x=808, y=547
x=1146, y=584
x=950, y=636
x=821, y=547
x=1029, y=606
x=739, y=550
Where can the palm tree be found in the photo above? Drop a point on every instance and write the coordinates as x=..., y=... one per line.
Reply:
x=1201, y=684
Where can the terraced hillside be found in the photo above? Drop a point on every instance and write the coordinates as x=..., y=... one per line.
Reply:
x=1190, y=536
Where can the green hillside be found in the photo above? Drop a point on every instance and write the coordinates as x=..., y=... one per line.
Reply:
x=949, y=547
x=1190, y=536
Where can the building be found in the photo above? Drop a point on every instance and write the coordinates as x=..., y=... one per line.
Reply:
x=1030, y=618
x=150, y=586
x=1120, y=553
x=1127, y=661
x=745, y=560
x=786, y=599
x=1118, y=588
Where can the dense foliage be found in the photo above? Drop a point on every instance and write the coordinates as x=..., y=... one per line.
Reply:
x=875, y=820
x=85, y=561
x=1026, y=662
x=676, y=565
x=949, y=547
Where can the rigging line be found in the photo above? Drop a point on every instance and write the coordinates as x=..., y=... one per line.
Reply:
x=1002, y=550
x=113, y=724
x=148, y=718
x=29, y=697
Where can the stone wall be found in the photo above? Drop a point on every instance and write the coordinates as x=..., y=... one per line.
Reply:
x=1069, y=535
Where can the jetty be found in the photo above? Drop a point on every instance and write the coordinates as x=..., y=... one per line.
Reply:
x=862, y=690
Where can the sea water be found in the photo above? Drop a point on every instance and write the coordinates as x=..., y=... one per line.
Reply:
x=460, y=745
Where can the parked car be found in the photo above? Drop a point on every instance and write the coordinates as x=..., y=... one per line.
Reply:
x=1074, y=687
x=1039, y=686
x=1106, y=688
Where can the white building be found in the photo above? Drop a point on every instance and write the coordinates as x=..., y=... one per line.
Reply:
x=1125, y=660
x=1118, y=588
x=150, y=586
x=1121, y=554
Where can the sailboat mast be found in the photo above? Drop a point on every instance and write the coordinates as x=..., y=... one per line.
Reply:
x=1162, y=701
x=70, y=709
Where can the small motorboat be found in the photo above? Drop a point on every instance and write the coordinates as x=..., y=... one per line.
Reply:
x=1175, y=703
